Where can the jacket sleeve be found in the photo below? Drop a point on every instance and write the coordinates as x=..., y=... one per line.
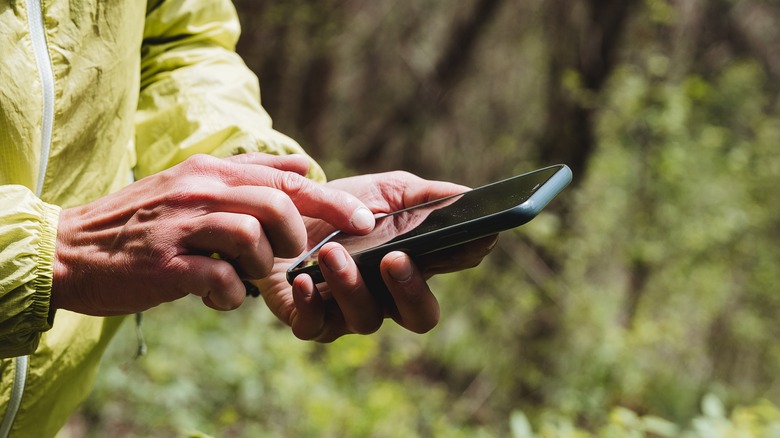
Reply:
x=197, y=95
x=28, y=231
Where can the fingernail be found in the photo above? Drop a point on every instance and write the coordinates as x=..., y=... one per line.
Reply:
x=401, y=270
x=362, y=219
x=336, y=260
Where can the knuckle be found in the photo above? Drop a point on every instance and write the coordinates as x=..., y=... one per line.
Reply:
x=291, y=183
x=401, y=175
x=200, y=163
x=192, y=194
x=279, y=201
x=221, y=278
x=401, y=178
x=247, y=231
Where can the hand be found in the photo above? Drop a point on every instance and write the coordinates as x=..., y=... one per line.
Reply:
x=344, y=304
x=155, y=240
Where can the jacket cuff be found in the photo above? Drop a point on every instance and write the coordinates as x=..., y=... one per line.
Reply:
x=34, y=316
x=43, y=315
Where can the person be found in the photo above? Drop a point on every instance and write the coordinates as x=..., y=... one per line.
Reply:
x=138, y=167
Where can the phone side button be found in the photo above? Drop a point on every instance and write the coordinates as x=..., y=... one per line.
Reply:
x=454, y=235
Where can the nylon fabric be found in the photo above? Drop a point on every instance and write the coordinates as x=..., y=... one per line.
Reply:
x=137, y=88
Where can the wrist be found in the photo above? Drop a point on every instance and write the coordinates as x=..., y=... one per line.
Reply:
x=60, y=270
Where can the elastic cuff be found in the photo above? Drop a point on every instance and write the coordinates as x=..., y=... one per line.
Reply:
x=44, y=274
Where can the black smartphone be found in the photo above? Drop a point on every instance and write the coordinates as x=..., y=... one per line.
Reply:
x=443, y=223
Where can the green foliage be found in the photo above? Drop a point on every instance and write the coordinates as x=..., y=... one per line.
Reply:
x=677, y=241
x=642, y=303
x=761, y=419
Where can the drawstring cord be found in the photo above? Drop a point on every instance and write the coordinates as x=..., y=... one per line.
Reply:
x=139, y=334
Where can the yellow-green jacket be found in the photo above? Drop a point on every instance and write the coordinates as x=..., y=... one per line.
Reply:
x=94, y=93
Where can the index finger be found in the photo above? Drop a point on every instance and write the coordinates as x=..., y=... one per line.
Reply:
x=336, y=207
x=297, y=163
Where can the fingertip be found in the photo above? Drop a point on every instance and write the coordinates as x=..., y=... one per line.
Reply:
x=226, y=299
x=362, y=313
x=223, y=305
x=417, y=307
x=307, y=320
x=399, y=267
x=212, y=304
x=362, y=219
x=303, y=289
x=207, y=301
x=334, y=257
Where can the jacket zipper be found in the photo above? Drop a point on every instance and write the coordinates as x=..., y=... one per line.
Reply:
x=17, y=391
x=46, y=74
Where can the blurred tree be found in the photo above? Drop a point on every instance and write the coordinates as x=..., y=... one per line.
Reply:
x=376, y=85
x=290, y=46
x=645, y=292
x=583, y=50
x=428, y=98
x=413, y=76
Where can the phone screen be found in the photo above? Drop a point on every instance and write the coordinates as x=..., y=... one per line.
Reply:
x=439, y=215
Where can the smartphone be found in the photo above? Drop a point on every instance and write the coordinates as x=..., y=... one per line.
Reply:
x=443, y=223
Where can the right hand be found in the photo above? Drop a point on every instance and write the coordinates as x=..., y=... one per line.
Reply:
x=344, y=304
x=153, y=241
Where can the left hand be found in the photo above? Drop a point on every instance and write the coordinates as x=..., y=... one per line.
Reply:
x=348, y=306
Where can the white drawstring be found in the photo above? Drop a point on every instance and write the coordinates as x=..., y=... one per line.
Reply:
x=46, y=74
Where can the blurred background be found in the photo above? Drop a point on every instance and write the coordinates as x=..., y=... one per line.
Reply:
x=643, y=301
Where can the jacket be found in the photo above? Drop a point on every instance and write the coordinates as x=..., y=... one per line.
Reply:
x=94, y=94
